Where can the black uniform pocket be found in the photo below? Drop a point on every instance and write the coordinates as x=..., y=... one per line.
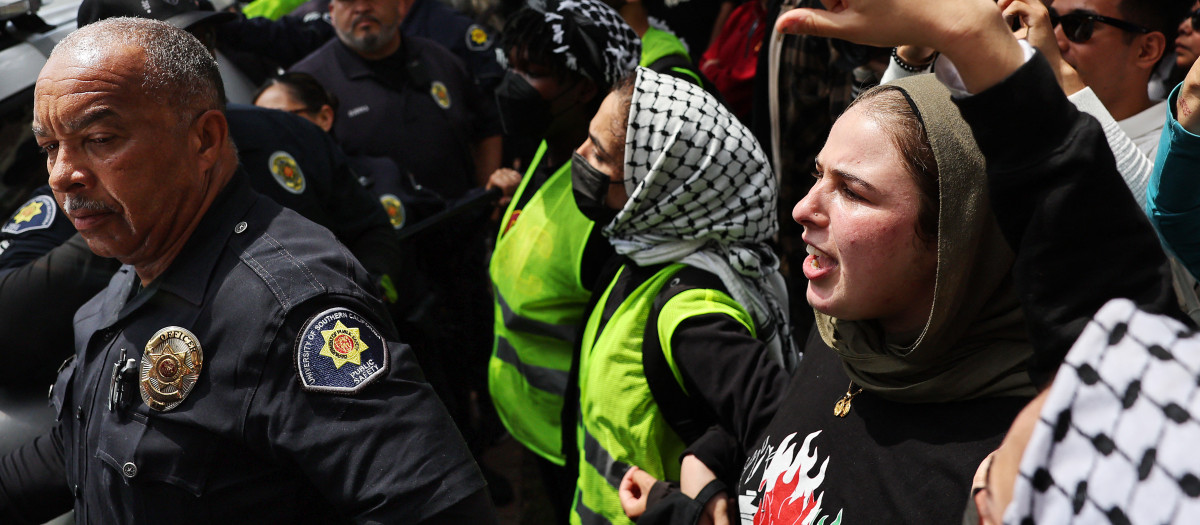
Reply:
x=165, y=465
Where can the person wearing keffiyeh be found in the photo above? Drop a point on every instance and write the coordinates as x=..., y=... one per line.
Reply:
x=690, y=327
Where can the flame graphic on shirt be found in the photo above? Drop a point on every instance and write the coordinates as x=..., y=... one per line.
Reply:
x=788, y=496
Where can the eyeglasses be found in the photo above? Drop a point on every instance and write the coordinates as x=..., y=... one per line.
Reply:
x=1195, y=17
x=1078, y=26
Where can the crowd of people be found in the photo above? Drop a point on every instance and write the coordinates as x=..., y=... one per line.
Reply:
x=789, y=261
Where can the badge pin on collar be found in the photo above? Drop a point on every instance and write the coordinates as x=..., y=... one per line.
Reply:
x=170, y=367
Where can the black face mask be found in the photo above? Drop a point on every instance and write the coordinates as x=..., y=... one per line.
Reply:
x=523, y=111
x=590, y=187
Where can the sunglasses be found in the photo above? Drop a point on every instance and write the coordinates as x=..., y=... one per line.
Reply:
x=1195, y=17
x=1078, y=26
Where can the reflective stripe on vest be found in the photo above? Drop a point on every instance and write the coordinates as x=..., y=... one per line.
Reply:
x=619, y=422
x=539, y=307
x=686, y=305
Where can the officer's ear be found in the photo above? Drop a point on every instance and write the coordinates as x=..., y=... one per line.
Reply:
x=324, y=118
x=209, y=134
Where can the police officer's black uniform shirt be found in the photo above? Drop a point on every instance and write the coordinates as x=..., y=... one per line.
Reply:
x=261, y=438
x=419, y=107
x=298, y=165
x=405, y=202
x=297, y=34
x=455, y=31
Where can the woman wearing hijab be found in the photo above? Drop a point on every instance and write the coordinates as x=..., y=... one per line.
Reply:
x=689, y=326
x=917, y=363
x=928, y=399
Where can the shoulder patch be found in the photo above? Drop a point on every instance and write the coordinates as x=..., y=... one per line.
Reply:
x=478, y=38
x=37, y=214
x=440, y=94
x=287, y=172
x=339, y=352
x=395, y=210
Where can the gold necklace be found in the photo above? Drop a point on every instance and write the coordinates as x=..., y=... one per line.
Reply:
x=842, y=407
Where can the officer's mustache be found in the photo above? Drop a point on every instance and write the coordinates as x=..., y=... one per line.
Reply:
x=73, y=203
x=360, y=18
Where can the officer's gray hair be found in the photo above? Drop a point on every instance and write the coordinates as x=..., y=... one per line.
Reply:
x=179, y=70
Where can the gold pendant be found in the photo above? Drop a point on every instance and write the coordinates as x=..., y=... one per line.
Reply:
x=842, y=407
x=170, y=367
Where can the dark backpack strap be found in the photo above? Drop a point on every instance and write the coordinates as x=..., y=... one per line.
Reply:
x=687, y=417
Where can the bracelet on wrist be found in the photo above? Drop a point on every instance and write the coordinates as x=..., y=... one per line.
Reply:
x=912, y=68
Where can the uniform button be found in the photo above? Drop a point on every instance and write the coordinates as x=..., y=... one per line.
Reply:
x=129, y=469
x=79, y=413
x=241, y=227
x=77, y=492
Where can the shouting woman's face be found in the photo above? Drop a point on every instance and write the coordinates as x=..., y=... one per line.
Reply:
x=860, y=223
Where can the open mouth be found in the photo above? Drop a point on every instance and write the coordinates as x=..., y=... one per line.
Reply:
x=818, y=263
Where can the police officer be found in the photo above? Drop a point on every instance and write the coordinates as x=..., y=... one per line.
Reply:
x=289, y=160
x=235, y=370
x=294, y=36
x=438, y=125
x=286, y=158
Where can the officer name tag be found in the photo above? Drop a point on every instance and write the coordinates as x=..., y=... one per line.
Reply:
x=338, y=351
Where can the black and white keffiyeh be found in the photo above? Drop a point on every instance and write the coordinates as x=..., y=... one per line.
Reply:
x=592, y=37
x=1116, y=439
x=701, y=193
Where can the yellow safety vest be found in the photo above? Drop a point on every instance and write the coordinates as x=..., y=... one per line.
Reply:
x=540, y=305
x=620, y=423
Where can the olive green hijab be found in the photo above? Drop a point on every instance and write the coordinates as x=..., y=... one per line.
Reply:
x=974, y=343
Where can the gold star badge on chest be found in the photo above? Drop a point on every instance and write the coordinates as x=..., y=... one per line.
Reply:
x=170, y=368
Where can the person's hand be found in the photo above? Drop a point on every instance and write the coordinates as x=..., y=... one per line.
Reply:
x=694, y=475
x=1035, y=23
x=716, y=512
x=1187, y=108
x=970, y=32
x=634, y=490
x=1039, y=32
x=508, y=181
